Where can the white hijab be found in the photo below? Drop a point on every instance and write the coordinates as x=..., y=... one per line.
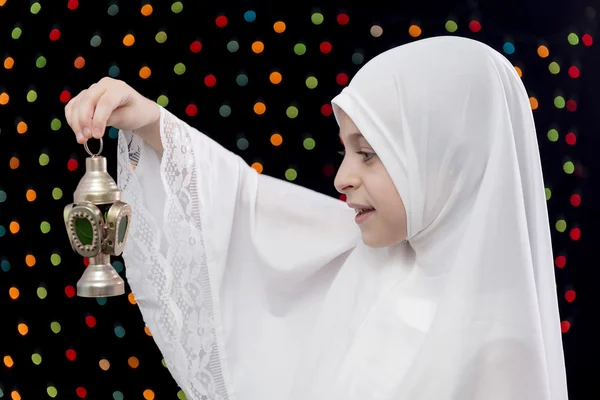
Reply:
x=254, y=288
x=451, y=121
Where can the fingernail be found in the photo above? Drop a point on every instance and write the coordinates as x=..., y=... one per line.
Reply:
x=97, y=133
x=87, y=132
x=79, y=137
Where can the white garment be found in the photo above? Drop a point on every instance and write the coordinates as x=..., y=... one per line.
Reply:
x=257, y=289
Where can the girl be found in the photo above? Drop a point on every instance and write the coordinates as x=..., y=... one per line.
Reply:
x=436, y=283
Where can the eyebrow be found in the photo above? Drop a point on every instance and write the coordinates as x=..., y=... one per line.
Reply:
x=353, y=135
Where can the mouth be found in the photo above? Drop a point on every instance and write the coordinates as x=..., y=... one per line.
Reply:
x=362, y=214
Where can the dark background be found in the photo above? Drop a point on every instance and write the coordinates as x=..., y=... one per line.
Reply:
x=88, y=326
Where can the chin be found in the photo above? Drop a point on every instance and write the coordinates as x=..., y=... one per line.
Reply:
x=377, y=242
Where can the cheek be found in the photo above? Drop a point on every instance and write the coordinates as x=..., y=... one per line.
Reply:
x=394, y=211
x=390, y=203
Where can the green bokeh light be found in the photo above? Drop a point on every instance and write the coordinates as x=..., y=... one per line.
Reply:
x=16, y=33
x=55, y=259
x=52, y=392
x=35, y=8
x=32, y=96
x=42, y=293
x=161, y=37
x=40, y=62
x=554, y=68
x=55, y=124
x=45, y=227
x=451, y=26
x=57, y=193
x=291, y=174
x=573, y=39
x=162, y=100
x=36, y=358
x=309, y=143
x=311, y=82
x=292, y=112
x=44, y=159
x=179, y=68
x=317, y=18
x=177, y=7
x=569, y=167
x=300, y=49
x=55, y=327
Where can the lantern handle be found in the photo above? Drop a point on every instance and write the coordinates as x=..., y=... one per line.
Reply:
x=85, y=145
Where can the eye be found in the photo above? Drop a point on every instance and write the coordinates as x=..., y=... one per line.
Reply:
x=367, y=156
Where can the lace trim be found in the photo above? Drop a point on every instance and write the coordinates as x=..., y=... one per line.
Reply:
x=174, y=292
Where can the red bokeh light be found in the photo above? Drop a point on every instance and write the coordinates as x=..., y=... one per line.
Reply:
x=191, y=110
x=570, y=296
x=72, y=165
x=475, y=26
x=575, y=234
x=327, y=110
x=342, y=79
x=221, y=21
x=325, y=47
x=71, y=355
x=210, y=80
x=65, y=96
x=54, y=35
x=343, y=19
x=575, y=200
x=196, y=46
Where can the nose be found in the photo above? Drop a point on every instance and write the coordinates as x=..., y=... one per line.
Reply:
x=346, y=179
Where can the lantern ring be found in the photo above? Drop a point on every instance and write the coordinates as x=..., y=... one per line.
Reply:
x=85, y=145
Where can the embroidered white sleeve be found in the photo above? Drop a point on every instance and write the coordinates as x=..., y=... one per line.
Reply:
x=171, y=280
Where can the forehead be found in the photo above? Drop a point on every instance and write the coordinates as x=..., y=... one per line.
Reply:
x=354, y=136
x=349, y=132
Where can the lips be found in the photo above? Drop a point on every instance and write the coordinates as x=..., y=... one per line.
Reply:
x=360, y=207
x=363, y=210
x=362, y=215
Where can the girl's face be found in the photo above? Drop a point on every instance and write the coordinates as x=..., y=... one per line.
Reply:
x=369, y=189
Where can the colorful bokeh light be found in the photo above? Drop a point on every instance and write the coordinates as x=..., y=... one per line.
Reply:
x=259, y=83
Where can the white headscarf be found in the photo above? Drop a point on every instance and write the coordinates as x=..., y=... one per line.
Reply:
x=257, y=289
x=451, y=121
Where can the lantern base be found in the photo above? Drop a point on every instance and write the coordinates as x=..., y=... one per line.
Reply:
x=100, y=280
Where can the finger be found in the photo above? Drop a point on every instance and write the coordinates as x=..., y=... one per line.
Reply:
x=107, y=103
x=72, y=121
x=85, y=107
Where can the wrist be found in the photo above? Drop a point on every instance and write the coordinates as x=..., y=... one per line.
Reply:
x=150, y=132
x=152, y=119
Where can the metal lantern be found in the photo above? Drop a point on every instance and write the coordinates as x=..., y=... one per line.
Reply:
x=97, y=223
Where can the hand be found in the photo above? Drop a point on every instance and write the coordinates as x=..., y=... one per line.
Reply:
x=109, y=102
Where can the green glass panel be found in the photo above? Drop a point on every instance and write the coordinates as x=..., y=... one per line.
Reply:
x=122, y=229
x=84, y=231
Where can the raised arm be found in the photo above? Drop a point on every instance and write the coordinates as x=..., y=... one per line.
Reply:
x=214, y=249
